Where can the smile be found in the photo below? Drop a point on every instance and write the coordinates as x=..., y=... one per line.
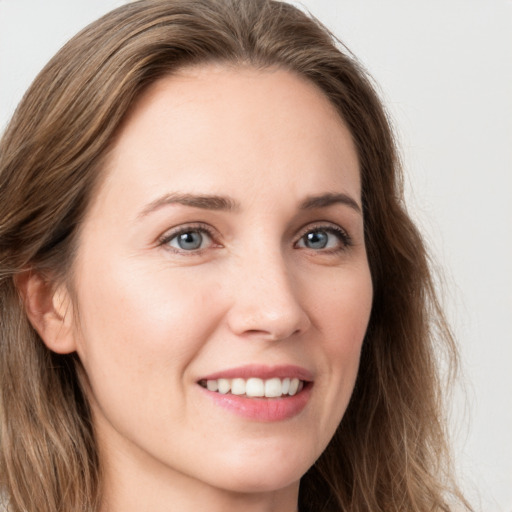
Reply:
x=258, y=392
x=255, y=387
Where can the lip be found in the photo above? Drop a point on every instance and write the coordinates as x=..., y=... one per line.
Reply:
x=262, y=409
x=263, y=372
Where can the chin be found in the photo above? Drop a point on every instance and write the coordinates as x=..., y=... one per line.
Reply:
x=262, y=482
x=257, y=473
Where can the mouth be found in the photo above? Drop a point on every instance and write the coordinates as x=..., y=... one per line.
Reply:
x=255, y=387
x=260, y=393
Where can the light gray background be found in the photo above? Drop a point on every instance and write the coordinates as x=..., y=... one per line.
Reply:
x=444, y=68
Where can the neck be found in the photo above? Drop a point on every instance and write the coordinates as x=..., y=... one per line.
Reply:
x=178, y=494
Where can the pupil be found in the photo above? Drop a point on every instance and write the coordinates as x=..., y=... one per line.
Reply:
x=316, y=239
x=190, y=240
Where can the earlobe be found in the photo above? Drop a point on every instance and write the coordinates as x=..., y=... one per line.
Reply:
x=49, y=310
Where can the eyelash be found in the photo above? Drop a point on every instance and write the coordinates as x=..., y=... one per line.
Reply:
x=340, y=233
x=343, y=237
x=200, y=228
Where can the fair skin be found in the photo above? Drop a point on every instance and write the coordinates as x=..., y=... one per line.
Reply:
x=226, y=240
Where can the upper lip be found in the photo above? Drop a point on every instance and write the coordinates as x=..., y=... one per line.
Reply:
x=263, y=372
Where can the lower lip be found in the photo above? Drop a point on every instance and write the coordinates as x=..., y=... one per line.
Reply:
x=263, y=409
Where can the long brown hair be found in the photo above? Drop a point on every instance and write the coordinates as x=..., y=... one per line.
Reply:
x=389, y=452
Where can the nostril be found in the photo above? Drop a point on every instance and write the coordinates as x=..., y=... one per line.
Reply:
x=273, y=327
x=265, y=302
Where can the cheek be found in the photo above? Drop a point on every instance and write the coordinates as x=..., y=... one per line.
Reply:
x=141, y=322
x=343, y=315
x=140, y=329
x=343, y=310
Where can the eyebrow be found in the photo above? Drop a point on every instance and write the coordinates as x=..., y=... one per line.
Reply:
x=205, y=202
x=221, y=203
x=325, y=200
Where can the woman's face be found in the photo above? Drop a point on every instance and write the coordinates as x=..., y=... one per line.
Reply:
x=224, y=250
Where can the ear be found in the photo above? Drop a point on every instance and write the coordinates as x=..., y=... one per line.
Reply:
x=49, y=309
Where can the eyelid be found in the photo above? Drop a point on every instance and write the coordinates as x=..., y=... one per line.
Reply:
x=330, y=227
x=170, y=234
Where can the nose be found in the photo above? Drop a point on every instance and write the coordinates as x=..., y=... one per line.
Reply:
x=267, y=302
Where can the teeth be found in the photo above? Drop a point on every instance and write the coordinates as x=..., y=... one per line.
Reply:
x=255, y=387
x=237, y=386
x=285, y=386
x=294, y=386
x=273, y=388
x=224, y=386
x=212, y=385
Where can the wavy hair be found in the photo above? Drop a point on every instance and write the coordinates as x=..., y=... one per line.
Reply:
x=390, y=450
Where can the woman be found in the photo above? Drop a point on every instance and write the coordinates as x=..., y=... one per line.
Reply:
x=212, y=295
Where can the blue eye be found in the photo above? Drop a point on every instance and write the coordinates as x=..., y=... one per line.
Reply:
x=189, y=240
x=316, y=240
x=323, y=238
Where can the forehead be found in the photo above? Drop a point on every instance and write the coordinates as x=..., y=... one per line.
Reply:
x=214, y=126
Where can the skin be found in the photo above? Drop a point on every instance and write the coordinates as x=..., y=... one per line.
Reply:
x=149, y=319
